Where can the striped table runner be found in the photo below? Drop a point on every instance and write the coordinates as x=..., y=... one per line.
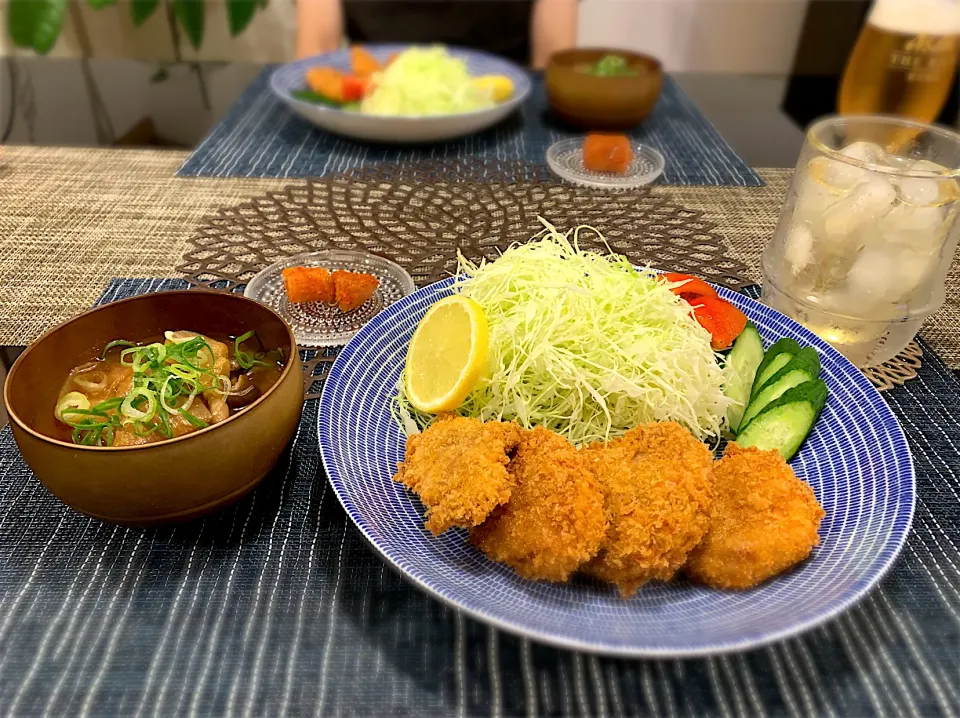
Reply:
x=277, y=607
x=260, y=137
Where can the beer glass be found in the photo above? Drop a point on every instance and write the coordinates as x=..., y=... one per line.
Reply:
x=904, y=60
x=866, y=234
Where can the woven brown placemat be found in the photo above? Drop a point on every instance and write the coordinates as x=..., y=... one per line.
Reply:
x=422, y=215
x=421, y=220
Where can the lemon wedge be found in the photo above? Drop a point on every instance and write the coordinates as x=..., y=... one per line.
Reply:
x=499, y=86
x=447, y=355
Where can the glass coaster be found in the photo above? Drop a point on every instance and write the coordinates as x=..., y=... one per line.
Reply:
x=319, y=325
x=566, y=159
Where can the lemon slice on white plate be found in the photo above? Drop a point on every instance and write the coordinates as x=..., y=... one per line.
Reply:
x=447, y=355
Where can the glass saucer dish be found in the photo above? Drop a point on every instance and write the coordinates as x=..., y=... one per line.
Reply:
x=322, y=325
x=565, y=158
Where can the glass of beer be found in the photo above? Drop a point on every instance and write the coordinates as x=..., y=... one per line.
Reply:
x=904, y=60
x=867, y=233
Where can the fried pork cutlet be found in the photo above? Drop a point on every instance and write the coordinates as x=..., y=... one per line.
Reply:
x=764, y=521
x=554, y=521
x=458, y=468
x=657, y=482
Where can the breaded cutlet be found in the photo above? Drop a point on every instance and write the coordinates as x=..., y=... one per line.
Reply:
x=657, y=482
x=554, y=520
x=458, y=468
x=764, y=521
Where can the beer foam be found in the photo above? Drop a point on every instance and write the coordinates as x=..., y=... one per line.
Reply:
x=917, y=17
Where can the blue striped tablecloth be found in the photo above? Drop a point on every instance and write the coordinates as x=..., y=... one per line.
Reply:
x=260, y=137
x=277, y=607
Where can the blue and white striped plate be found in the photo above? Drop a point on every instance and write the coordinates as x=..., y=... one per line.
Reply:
x=856, y=460
x=400, y=129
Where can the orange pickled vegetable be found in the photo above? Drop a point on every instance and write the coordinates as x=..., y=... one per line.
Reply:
x=326, y=81
x=362, y=62
x=607, y=153
x=308, y=284
x=353, y=288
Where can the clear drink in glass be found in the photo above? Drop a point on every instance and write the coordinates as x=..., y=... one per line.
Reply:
x=867, y=233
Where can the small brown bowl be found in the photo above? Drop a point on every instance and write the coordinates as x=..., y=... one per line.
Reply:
x=168, y=481
x=602, y=103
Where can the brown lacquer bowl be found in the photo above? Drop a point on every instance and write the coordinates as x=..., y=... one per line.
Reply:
x=172, y=480
x=602, y=103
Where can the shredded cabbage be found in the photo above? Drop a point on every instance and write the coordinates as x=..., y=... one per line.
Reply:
x=425, y=81
x=584, y=344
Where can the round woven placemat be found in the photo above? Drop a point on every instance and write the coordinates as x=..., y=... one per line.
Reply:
x=420, y=215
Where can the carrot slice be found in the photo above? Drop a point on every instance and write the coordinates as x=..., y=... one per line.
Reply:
x=692, y=286
x=362, y=62
x=326, y=81
x=353, y=288
x=719, y=317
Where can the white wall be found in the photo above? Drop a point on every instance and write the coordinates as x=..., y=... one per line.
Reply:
x=738, y=36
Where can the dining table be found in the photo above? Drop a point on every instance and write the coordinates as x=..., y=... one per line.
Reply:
x=277, y=606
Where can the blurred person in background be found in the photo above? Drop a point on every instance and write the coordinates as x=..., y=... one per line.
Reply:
x=525, y=31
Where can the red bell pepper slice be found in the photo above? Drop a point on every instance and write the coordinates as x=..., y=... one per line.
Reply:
x=692, y=286
x=719, y=317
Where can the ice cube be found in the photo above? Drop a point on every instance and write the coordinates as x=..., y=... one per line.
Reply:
x=866, y=203
x=914, y=267
x=865, y=152
x=918, y=191
x=914, y=228
x=799, y=249
x=926, y=166
x=903, y=164
x=872, y=280
x=835, y=174
x=907, y=218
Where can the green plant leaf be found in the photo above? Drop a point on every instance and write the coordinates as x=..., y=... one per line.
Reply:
x=191, y=13
x=20, y=22
x=239, y=14
x=141, y=10
x=36, y=23
x=97, y=4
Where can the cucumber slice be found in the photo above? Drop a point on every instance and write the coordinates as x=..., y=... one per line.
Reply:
x=774, y=360
x=785, y=423
x=804, y=366
x=742, y=363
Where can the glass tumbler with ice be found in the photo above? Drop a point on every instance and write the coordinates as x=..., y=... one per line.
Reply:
x=867, y=233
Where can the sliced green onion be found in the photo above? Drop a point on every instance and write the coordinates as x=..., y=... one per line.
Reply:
x=116, y=343
x=194, y=421
x=129, y=410
x=164, y=375
x=109, y=404
x=71, y=400
x=246, y=360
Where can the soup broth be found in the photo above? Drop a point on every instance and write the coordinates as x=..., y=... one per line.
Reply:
x=157, y=390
